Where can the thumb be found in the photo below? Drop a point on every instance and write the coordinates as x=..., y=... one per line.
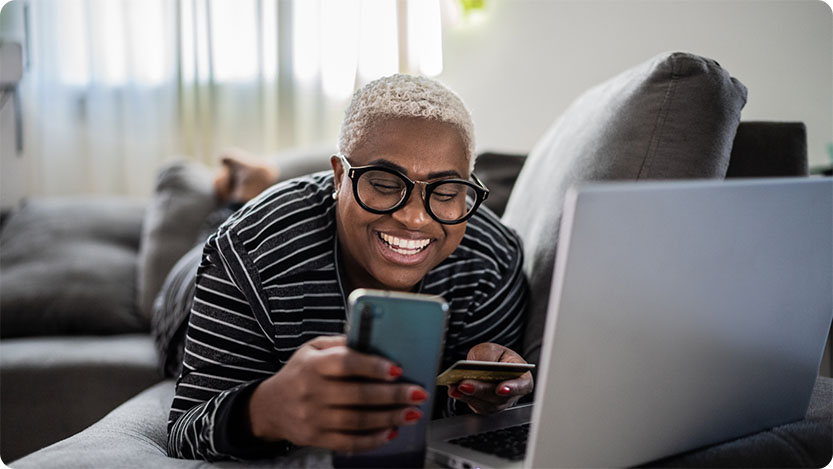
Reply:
x=487, y=352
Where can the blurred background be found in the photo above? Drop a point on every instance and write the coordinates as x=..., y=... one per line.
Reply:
x=97, y=94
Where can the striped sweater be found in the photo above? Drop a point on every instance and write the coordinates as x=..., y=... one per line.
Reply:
x=270, y=280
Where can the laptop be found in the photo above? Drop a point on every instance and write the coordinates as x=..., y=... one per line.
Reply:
x=682, y=314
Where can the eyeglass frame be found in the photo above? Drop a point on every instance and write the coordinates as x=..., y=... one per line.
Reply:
x=355, y=172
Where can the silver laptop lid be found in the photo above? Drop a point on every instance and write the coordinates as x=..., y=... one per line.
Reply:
x=682, y=314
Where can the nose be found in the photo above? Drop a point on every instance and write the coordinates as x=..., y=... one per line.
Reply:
x=413, y=215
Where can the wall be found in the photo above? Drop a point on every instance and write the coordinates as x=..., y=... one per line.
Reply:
x=12, y=164
x=524, y=61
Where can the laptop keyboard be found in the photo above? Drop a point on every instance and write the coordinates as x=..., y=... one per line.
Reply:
x=508, y=443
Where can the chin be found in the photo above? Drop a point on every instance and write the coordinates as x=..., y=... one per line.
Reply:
x=391, y=281
x=403, y=287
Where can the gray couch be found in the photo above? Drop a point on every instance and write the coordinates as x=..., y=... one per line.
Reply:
x=676, y=116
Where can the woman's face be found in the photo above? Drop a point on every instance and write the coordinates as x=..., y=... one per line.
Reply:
x=395, y=250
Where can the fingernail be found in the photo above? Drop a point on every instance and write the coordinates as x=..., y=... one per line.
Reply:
x=504, y=390
x=466, y=388
x=412, y=415
x=418, y=395
x=453, y=392
x=392, y=434
x=395, y=371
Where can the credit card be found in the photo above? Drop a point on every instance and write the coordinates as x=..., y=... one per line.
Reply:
x=482, y=371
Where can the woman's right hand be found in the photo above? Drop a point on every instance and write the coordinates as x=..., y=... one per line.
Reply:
x=316, y=400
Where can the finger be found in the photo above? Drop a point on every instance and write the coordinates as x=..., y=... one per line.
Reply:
x=352, y=419
x=345, y=442
x=327, y=341
x=479, y=406
x=482, y=391
x=484, y=397
x=519, y=386
x=511, y=357
x=352, y=393
x=343, y=362
x=486, y=351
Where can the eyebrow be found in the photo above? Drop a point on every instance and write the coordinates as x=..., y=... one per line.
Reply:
x=435, y=175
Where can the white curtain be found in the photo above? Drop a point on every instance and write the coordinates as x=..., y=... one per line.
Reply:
x=114, y=88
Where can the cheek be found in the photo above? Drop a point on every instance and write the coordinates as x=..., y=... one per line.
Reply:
x=454, y=234
x=347, y=208
x=355, y=221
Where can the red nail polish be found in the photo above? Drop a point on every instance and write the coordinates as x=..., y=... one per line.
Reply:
x=466, y=388
x=392, y=434
x=504, y=390
x=418, y=395
x=453, y=392
x=412, y=415
x=395, y=371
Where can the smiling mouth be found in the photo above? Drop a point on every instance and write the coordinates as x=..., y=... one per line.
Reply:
x=406, y=247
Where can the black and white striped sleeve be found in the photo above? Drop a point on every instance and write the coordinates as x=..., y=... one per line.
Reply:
x=498, y=314
x=227, y=353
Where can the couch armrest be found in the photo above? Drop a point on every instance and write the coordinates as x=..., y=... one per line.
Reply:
x=53, y=387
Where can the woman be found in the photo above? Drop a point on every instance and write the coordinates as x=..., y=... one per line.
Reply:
x=265, y=362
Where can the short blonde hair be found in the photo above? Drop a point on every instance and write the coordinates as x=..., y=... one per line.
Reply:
x=404, y=96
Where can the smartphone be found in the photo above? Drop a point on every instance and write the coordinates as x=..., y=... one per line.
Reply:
x=408, y=329
x=482, y=371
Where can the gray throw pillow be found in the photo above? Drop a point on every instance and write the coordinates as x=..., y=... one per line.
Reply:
x=672, y=117
x=68, y=267
x=181, y=202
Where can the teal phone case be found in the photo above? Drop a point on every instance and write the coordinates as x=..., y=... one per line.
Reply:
x=408, y=329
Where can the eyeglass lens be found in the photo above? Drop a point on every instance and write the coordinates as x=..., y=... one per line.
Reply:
x=449, y=201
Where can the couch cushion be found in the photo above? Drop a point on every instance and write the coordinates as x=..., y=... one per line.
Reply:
x=135, y=435
x=803, y=443
x=672, y=117
x=181, y=202
x=39, y=376
x=69, y=267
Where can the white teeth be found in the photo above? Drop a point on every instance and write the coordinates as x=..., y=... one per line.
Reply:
x=405, y=246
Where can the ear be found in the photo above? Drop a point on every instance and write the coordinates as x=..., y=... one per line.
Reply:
x=338, y=171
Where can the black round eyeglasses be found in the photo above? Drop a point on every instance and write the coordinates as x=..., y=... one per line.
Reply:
x=380, y=190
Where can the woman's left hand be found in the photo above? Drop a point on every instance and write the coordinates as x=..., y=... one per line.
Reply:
x=485, y=397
